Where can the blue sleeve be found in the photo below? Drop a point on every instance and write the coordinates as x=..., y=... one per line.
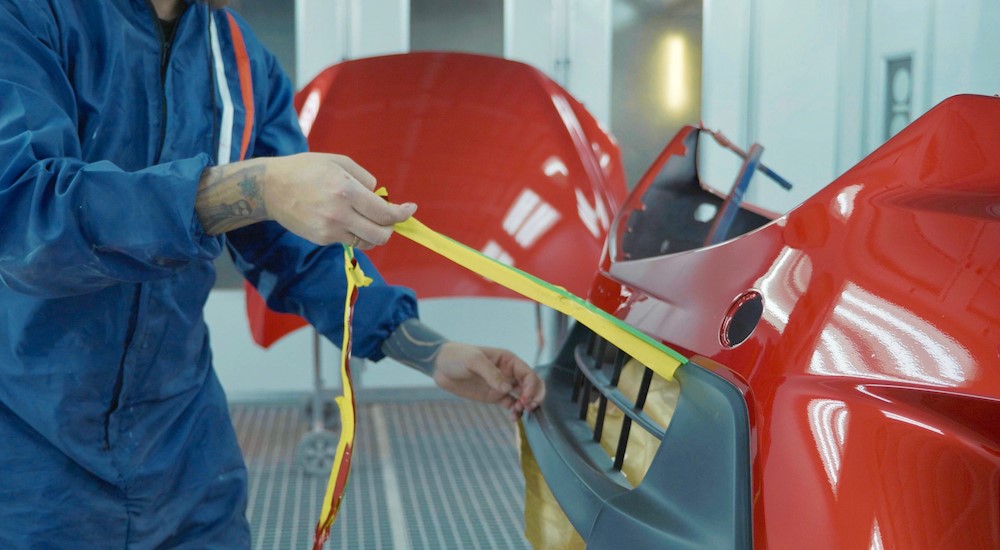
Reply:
x=296, y=276
x=66, y=226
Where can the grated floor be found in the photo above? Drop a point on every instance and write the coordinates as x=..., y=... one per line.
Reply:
x=426, y=475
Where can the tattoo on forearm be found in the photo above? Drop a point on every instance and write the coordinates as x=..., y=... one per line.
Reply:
x=249, y=185
x=228, y=198
x=415, y=345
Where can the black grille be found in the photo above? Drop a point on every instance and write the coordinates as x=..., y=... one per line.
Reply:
x=599, y=366
x=695, y=488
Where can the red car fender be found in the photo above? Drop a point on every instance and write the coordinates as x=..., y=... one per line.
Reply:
x=874, y=371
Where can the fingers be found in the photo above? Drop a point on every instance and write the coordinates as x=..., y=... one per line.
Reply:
x=508, y=402
x=489, y=375
x=374, y=217
x=364, y=177
x=485, y=368
x=529, y=386
x=327, y=198
x=381, y=212
x=532, y=387
x=368, y=233
x=358, y=242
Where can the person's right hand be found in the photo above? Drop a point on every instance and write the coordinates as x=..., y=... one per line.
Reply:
x=328, y=198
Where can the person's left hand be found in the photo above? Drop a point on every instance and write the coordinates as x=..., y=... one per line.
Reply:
x=490, y=375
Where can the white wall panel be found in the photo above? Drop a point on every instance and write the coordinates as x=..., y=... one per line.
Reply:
x=724, y=88
x=380, y=27
x=330, y=31
x=852, y=24
x=320, y=38
x=811, y=81
x=589, y=69
x=770, y=75
x=791, y=114
x=570, y=41
x=901, y=31
x=966, y=44
x=528, y=36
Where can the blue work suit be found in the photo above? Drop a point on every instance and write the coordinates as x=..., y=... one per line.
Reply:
x=114, y=431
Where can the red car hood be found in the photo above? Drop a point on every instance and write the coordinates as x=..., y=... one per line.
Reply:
x=496, y=155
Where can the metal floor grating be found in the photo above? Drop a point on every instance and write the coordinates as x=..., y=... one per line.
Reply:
x=426, y=475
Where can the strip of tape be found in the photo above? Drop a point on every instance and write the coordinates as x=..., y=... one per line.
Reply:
x=659, y=358
x=653, y=354
x=341, y=470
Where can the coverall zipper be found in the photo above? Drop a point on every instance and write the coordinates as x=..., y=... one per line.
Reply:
x=165, y=47
x=116, y=392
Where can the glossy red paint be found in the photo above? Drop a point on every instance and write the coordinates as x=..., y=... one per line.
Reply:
x=495, y=154
x=874, y=374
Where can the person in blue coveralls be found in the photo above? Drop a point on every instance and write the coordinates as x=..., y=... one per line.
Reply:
x=138, y=139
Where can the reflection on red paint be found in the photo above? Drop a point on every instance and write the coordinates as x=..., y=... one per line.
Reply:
x=498, y=157
x=874, y=371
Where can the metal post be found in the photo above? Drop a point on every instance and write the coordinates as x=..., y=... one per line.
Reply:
x=732, y=204
x=318, y=424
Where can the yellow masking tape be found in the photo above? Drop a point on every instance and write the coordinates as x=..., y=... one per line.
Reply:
x=340, y=472
x=651, y=353
x=659, y=358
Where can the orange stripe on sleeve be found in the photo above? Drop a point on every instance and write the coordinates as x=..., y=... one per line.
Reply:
x=246, y=83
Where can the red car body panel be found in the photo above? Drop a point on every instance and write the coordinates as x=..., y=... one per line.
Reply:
x=495, y=154
x=873, y=378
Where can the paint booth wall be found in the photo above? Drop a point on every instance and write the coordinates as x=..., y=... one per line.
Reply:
x=822, y=84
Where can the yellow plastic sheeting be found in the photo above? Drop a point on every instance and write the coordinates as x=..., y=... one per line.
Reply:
x=545, y=524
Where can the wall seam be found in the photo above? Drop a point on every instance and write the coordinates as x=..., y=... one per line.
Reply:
x=866, y=84
x=753, y=50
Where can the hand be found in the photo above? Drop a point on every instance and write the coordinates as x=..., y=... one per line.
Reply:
x=489, y=375
x=328, y=198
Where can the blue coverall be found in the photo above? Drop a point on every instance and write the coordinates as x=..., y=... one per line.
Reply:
x=114, y=431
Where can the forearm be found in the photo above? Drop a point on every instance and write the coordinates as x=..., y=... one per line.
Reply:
x=323, y=198
x=232, y=196
x=415, y=345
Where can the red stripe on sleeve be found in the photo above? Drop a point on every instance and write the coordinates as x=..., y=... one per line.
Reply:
x=246, y=84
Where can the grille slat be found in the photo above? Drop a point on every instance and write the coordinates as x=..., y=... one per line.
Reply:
x=600, y=382
x=620, y=359
x=640, y=400
x=599, y=353
x=599, y=424
x=585, y=402
x=590, y=357
x=577, y=385
x=622, y=443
